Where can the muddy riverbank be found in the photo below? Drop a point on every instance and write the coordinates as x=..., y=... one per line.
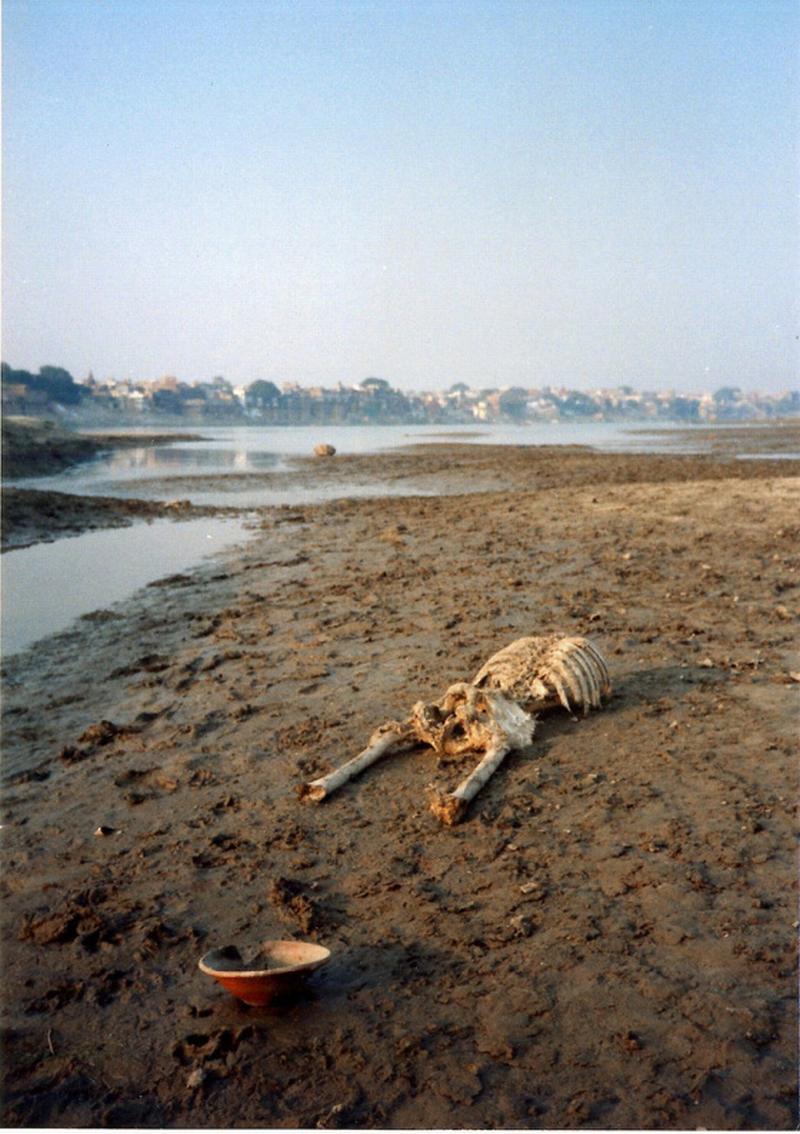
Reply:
x=31, y=516
x=606, y=942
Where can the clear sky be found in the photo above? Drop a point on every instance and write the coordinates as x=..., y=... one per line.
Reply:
x=576, y=192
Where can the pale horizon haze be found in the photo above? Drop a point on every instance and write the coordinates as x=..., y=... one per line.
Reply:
x=567, y=192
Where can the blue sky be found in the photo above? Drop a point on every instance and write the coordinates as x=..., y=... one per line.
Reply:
x=577, y=192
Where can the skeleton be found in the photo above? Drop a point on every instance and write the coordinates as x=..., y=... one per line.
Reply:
x=495, y=713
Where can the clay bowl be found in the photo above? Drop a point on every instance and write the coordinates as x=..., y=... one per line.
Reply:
x=276, y=969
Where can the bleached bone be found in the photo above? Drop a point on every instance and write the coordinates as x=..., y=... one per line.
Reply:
x=490, y=722
x=494, y=713
x=382, y=739
x=539, y=673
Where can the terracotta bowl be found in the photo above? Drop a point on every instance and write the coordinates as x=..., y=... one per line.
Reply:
x=275, y=969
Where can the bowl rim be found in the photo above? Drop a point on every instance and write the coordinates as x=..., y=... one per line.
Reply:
x=283, y=970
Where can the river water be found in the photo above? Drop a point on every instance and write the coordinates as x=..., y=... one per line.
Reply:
x=44, y=588
x=251, y=449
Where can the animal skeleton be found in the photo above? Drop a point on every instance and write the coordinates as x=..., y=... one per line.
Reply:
x=494, y=713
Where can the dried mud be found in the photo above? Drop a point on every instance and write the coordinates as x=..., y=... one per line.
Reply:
x=606, y=942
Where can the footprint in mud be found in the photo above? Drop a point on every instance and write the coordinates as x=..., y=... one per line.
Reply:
x=205, y=662
x=57, y=997
x=202, y=777
x=210, y=723
x=286, y=894
x=144, y=784
x=211, y=1055
x=28, y=775
x=151, y=777
x=220, y=850
x=100, y=616
x=109, y=984
x=173, y=581
x=94, y=738
x=149, y=663
x=102, y=733
x=80, y=917
x=154, y=935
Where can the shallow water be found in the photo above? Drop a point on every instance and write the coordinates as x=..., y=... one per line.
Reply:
x=46, y=587
x=790, y=456
x=230, y=450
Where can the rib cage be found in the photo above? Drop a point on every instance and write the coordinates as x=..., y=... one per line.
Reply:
x=539, y=672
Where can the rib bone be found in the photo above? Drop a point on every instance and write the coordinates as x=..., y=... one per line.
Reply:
x=495, y=713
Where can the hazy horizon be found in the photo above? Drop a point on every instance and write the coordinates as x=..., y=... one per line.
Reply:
x=586, y=193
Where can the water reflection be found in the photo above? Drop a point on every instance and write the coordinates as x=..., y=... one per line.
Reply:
x=230, y=450
x=161, y=460
x=48, y=586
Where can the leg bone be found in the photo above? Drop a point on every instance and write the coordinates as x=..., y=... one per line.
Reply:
x=451, y=807
x=380, y=742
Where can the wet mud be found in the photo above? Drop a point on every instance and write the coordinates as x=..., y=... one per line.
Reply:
x=607, y=940
x=32, y=516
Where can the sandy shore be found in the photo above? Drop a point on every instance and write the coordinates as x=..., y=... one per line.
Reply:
x=606, y=942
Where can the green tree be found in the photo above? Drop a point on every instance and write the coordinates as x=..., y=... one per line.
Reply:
x=262, y=395
x=578, y=404
x=727, y=395
x=59, y=385
x=686, y=409
x=167, y=401
x=514, y=403
x=13, y=377
x=56, y=383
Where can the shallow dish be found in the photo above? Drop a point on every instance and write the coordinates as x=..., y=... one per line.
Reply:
x=274, y=969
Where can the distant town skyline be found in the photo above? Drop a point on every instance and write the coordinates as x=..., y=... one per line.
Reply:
x=53, y=393
x=573, y=193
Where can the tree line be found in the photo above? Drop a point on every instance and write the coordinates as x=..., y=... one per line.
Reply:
x=54, y=382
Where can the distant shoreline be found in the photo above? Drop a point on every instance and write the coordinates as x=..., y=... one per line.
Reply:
x=36, y=447
x=32, y=514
